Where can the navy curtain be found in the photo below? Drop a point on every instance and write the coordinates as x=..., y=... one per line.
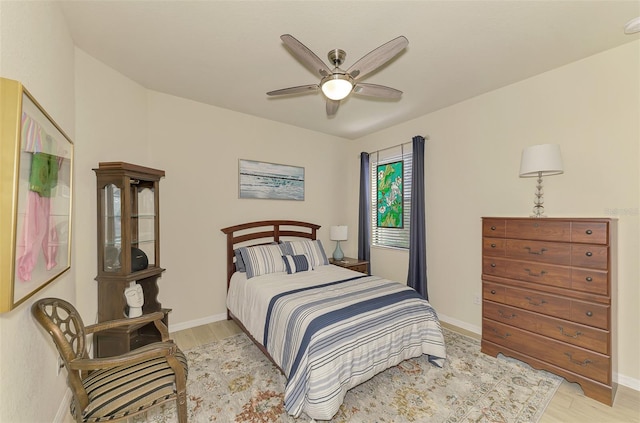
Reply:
x=417, y=278
x=364, y=215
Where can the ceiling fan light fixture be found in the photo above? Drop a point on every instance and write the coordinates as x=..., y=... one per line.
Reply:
x=336, y=86
x=633, y=26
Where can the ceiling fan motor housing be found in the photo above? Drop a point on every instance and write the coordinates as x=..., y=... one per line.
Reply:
x=336, y=56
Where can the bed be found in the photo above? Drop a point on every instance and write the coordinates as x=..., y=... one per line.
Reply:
x=326, y=328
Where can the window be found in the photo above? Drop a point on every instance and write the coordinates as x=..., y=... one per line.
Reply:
x=384, y=234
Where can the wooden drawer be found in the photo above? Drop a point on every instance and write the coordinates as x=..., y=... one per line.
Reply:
x=539, y=273
x=362, y=268
x=562, y=330
x=590, y=232
x=539, y=229
x=493, y=227
x=575, y=359
x=592, y=256
x=547, y=252
x=588, y=280
x=590, y=314
x=493, y=246
x=493, y=292
x=550, y=305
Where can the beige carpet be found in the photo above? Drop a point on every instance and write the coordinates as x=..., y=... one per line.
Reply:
x=232, y=381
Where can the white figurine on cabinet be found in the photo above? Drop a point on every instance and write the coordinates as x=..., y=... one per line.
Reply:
x=135, y=299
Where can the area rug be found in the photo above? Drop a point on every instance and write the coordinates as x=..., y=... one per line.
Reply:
x=232, y=381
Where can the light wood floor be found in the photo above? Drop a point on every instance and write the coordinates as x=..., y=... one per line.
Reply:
x=569, y=405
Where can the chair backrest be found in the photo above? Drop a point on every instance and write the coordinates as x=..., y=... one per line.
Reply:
x=61, y=320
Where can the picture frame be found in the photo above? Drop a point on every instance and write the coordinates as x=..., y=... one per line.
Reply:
x=36, y=179
x=390, y=195
x=271, y=181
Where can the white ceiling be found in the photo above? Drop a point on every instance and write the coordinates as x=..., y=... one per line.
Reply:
x=229, y=53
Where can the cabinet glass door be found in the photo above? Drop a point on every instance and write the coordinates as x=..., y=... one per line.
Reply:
x=113, y=228
x=143, y=219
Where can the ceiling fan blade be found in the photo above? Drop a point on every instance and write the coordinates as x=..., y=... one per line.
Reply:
x=306, y=56
x=295, y=90
x=375, y=90
x=332, y=107
x=376, y=58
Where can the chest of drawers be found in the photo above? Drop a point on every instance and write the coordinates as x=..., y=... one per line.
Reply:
x=547, y=289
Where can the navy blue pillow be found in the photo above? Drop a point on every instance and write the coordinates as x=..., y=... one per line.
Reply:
x=296, y=263
x=240, y=267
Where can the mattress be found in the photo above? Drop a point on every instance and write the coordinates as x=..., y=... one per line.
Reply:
x=331, y=329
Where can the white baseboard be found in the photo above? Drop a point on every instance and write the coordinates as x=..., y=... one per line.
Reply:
x=627, y=381
x=63, y=410
x=197, y=322
x=459, y=323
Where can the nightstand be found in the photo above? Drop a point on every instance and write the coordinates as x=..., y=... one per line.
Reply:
x=361, y=266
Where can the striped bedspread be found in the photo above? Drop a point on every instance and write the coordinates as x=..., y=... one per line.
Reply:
x=332, y=336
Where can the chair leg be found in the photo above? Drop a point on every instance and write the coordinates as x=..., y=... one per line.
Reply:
x=181, y=388
x=181, y=405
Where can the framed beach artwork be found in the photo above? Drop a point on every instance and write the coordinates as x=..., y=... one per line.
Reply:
x=389, y=192
x=270, y=181
x=35, y=205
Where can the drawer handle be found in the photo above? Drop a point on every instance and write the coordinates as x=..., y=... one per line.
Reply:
x=493, y=245
x=493, y=265
x=537, y=253
x=589, y=279
x=493, y=291
x=536, y=275
x=493, y=228
x=537, y=304
x=505, y=336
x=588, y=254
x=588, y=232
x=578, y=333
x=505, y=316
x=578, y=362
x=589, y=313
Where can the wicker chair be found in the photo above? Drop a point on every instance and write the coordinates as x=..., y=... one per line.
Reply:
x=114, y=388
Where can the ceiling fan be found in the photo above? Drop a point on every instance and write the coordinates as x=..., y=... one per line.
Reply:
x=337, y=84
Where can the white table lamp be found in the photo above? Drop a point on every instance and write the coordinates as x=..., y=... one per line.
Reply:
x=338, y=233
x=540, y=160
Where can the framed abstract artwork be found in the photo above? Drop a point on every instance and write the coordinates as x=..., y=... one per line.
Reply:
x=270, y=181
x=389, y=195
x=35, y=196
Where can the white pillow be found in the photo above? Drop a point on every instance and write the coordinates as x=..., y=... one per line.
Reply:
x=311, y=248
x=262, y=260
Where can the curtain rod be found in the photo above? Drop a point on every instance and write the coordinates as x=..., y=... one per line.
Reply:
x=426, y=138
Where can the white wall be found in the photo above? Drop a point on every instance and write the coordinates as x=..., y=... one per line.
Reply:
x=199, y=147
x=36, y=49
x=592, y=109
x=111, y=116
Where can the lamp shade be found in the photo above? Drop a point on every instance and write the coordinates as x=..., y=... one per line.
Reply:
x=542, y=159
x=337, y=87
x=338, y=233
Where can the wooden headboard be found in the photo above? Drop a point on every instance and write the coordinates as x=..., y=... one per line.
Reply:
x=264, y=232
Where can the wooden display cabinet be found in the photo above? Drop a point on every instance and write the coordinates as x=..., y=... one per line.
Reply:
x=128, y=233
